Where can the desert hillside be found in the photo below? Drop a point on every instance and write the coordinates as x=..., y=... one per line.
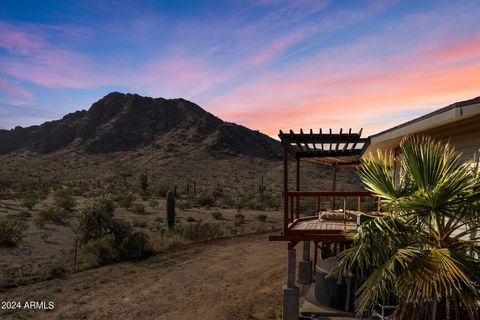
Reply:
x=173, y=141
x=109, y=169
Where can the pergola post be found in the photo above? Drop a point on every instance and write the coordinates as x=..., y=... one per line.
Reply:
x=291, y=293
x=334, y=185
x=285, y=187
x=305, y=266
x=297, y=204
x=334, y=149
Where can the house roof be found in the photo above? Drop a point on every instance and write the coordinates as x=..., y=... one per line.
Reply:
x=451, y=113
x=343, y=148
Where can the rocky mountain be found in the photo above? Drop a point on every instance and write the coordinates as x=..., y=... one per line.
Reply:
x=172, y=140
x=125, y=122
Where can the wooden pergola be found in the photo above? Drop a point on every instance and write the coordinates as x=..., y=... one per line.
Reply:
x=342, y=149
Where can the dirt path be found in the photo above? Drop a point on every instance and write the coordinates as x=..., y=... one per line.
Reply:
x=233, y=279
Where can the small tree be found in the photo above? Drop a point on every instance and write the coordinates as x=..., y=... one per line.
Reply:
x=106, y=238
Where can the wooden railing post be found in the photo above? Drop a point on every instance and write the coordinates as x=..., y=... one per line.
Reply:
x=292, y=211
x=297, y=201
x=334, y=186
x=285, y=188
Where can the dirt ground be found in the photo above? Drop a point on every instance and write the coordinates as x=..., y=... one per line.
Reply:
x=45, y=250
x=238, y=278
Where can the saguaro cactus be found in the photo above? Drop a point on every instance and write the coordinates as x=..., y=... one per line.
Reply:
x=261, y=189
x=170, y=209
x=144, y=182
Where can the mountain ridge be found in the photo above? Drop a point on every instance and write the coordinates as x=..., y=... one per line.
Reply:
x=125, y=122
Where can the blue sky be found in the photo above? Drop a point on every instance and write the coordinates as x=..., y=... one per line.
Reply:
x=266, y=64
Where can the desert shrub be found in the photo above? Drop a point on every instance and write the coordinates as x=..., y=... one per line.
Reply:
x=217, y=215
x=261, y=217
x=162, y=189
x=22, y=215
x=183, y=204
x=153, y=203
x=45, y=235
x=271, y=201
x=64, y=200
x=144, y=195
x=29, y=202
x=248, y=311
x=206, y=199
x=126, y=200
x=190, y=219
x=105, y=238
x=57, y=271
x=139, y=224
x=133, y=246
x=94, y=220
x=53, y=214
x=100, y=251
x=228, y=200
x=248, y=199
x=271, y=314
x=11, y=232
x=79, y=190
x=139, y=209
x=201, y=232
x=239, y=218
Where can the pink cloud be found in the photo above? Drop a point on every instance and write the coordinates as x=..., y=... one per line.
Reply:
x=52, y=68
x=311, y=98
x=274, y=48
x=15, y=39
x=33, y=58
x=14, y=90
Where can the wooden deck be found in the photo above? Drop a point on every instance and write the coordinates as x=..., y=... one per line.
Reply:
x=323, y=225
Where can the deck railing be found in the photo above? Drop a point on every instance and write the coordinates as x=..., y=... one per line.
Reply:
x=292, y=204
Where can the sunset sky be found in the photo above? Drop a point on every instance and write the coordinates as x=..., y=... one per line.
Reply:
x=265, y=64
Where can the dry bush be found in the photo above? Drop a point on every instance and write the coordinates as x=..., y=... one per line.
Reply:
x=11, y=232
x=64, y=200
x=53, y=214
x=261, y=217
x=161, y=242
x=106, y=239
x=199, y=231
x=29, y=202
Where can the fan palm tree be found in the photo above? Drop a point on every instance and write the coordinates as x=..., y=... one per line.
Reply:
x=424, y=253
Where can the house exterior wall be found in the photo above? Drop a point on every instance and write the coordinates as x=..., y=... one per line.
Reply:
x=463, y=135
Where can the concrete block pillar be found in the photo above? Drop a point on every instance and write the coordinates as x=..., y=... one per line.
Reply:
x=291, y=293
x=305, y=266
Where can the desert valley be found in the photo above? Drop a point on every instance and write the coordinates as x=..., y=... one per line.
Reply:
x=132, y=150
x=239, y=160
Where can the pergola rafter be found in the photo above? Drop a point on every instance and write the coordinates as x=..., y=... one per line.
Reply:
x=335, y=149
